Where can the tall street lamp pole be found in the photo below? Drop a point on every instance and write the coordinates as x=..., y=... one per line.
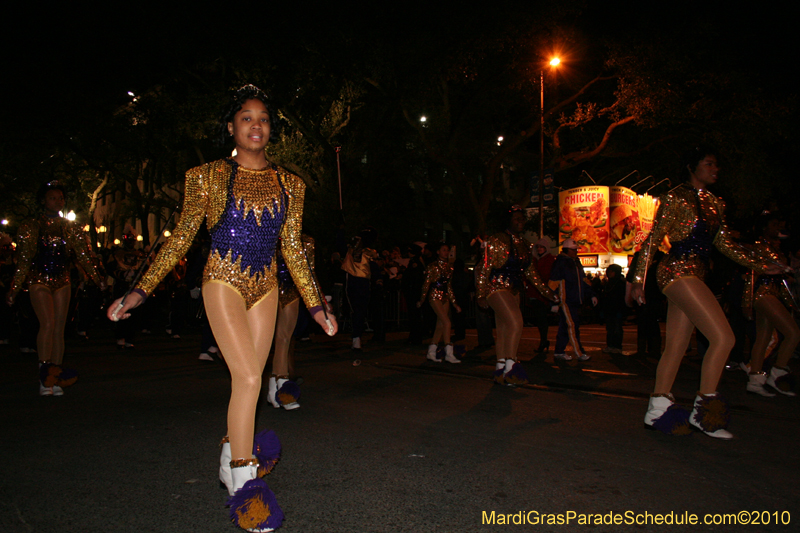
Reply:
x=553, y=62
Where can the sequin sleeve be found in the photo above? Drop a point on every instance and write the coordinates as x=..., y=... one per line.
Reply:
x=666, y=216
x=26, y=250
x=536, y=280
x=83, y=252
x=195, y=205
x=496, y=254
x=450, y=294
x=431, y=274
x=292, y=244
x=725, y=244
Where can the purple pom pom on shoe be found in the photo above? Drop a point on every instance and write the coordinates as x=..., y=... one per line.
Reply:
x=711, y=413
x=267, y=449
x=517, y=375
x=67, y=377
x=498, y=377
x=288, y=393
x=674, y=421
x=254, y=507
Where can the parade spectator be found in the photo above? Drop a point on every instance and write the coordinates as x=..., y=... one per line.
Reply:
x=569, y=281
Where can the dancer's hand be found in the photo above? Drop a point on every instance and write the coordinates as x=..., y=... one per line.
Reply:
x=594, y=301
x=9, y=299
x=457, y=308
x=117, y=311
x=330, y=327
x=637, y=293
x=773, y=269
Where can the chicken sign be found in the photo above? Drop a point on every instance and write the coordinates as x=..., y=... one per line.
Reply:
x=583, y=217
x=603, y=220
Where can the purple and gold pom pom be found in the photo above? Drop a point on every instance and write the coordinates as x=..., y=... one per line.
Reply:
x=254, y=507
x=711, y=412
x=48, y=374
x=674, y=421
x=498, y=377
x=517, y=375
x=267, y=449
x=67, y=377
x=288, y=393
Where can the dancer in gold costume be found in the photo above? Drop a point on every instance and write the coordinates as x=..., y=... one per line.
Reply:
x=691, y=218
x=508, y=260
x=45, y=244
x=437, y=288
x=248, y=205
x=772, y=302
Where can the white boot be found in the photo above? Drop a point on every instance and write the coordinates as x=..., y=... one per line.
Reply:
x=448, y=354
x=774, y=374
x=242, y=471
x=658, y=406
x=756, y=384
x=432, y=353
x=272, y=390
x=225, y=465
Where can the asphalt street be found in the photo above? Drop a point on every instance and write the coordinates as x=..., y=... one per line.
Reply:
x=388, y=443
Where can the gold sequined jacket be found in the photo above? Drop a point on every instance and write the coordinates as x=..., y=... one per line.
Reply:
x=692, y=221
x=43, y=254
x=508, y=259
x=757, y=286
x=438, y=282
x=246, y=211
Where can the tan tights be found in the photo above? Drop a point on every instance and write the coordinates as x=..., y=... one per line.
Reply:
x=287, y=320
x=509, y=323
x=442, y=310
x=51, y=309
x=244, y=338
x=771, y=315
x=691, y=304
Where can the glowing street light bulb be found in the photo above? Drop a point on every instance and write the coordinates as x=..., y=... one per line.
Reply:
x=116, y=241
x=555, y=62
x=130, y=93
x=71, y=216
x=4, y=222
x=139, y=238
x=423, y=118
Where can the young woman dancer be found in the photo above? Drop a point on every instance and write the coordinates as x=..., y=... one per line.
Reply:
x=507, y=261
x=772, y=302
x=437, y=288
x=248, y=204
x=692, y=219
x=45, y=244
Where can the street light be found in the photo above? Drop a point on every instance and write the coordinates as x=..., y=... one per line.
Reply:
x=554, y=62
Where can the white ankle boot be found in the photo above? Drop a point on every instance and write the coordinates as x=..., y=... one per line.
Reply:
x=776, y=373
x=432, y=353
x=658, y=406
x=272, y=390
x=225, y=465
x=756, y=384
x=242, y=471
x=448, y=354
